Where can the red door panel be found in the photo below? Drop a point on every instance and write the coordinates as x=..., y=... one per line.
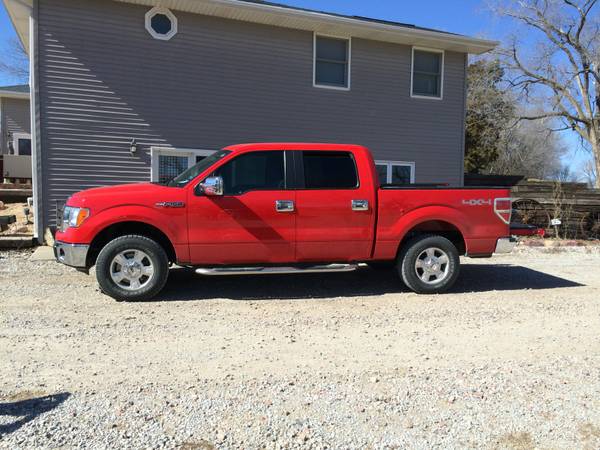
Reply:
x=241, y=229
x=329, y=230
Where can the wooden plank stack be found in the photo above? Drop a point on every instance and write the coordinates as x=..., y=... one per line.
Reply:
x=576, y=205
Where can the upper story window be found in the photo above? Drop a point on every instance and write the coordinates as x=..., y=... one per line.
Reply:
x=161, y=23
x=427, y=73
x=331, y=62
x=329, y=170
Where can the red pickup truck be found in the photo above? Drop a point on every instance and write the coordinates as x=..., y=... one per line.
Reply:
x=279, y=208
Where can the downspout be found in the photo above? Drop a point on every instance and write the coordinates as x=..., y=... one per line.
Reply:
x=464, y=123
x=36, y=154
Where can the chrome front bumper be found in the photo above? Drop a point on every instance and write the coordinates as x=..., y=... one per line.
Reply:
x=73, y=255
x=505, y=245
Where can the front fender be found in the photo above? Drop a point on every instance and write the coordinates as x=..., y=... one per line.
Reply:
x=171, y=221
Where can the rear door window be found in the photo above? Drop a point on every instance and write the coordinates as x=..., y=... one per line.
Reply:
x=329, y=170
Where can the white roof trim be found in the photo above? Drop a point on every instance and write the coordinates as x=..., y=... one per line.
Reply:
x=14, y=94
x=324, y=23
x=19, y=11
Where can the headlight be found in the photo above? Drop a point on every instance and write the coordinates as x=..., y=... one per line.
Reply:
x=73, y=217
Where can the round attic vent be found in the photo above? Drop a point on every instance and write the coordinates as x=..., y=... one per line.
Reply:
x=161, y=23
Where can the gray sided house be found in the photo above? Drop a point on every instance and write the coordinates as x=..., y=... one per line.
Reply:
x=128, y=91
x=15, y=133
x=15, y=120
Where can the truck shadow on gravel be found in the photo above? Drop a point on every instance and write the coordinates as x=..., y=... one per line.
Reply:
x=185, y=284
x=25, y=409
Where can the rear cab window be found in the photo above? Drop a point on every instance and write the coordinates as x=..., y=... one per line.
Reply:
x=329, y=170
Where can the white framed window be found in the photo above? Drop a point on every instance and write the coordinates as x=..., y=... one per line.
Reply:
x=169, y=162
x=21, y=144
x=427, y=73
x=161, y=23
x=395, y=172
x=332, y=60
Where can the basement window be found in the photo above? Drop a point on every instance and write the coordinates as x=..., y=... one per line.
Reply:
x=161, y=23
x=395, y=172
x=167, y=162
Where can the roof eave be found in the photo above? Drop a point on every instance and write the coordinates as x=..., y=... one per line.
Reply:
x=14, y=94
x=19, y=12
x=326, y=23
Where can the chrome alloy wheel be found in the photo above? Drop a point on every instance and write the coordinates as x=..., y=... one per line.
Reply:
x=131, y=269
x=432, y=265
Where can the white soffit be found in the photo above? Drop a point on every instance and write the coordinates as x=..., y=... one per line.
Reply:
x=19, y=12
x=324, y=23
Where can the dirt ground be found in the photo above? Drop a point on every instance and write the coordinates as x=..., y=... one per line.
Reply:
x=21, y=226
x=509, y=359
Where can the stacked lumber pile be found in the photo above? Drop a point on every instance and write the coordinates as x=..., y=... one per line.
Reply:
x=538, y=202
x=575, y=205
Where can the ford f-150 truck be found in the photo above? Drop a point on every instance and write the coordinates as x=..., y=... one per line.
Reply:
x=279, y=208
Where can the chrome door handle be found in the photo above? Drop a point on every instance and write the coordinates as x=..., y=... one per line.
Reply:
x=360, y=205
x=284, y=205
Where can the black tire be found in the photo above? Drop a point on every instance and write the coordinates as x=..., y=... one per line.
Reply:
x=406, y=264
x=155, y=256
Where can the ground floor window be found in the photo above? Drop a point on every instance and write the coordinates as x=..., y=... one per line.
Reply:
x=395, y=172
x=22, y=144
x=167, y=163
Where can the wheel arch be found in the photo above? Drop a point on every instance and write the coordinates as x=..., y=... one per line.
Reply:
x=124, y=228
x=439, y=227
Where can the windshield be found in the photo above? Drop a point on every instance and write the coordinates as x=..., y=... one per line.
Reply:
x=194, y=171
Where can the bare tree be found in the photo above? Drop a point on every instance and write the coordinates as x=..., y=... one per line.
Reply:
x=529, y=149
x=562, y=71
x=588, y=170
x=14, y=61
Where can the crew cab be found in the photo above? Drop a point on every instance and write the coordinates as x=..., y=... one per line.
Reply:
x=279, y=208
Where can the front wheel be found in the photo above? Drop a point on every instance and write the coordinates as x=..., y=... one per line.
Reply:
x=429, y=264
x=132, y=268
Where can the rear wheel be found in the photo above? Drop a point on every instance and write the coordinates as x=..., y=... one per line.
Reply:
x=132, y=268
x=428, y=264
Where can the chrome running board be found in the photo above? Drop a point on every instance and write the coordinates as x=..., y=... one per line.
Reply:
x=212, y=271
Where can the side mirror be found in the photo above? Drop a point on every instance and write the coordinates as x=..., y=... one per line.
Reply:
x=212, y=186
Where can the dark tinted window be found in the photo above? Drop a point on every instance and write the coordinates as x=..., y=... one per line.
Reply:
x=401, y=174
x=161, y=23
x=253, y=171
x=329, y=170
x=24, y=146
x=331, y=62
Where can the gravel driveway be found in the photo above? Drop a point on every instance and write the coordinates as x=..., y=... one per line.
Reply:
x=509, y=359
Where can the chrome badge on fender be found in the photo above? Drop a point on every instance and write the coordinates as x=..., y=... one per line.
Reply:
x=170, y=205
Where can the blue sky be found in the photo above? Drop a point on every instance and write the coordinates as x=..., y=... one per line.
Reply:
x=470, y=17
